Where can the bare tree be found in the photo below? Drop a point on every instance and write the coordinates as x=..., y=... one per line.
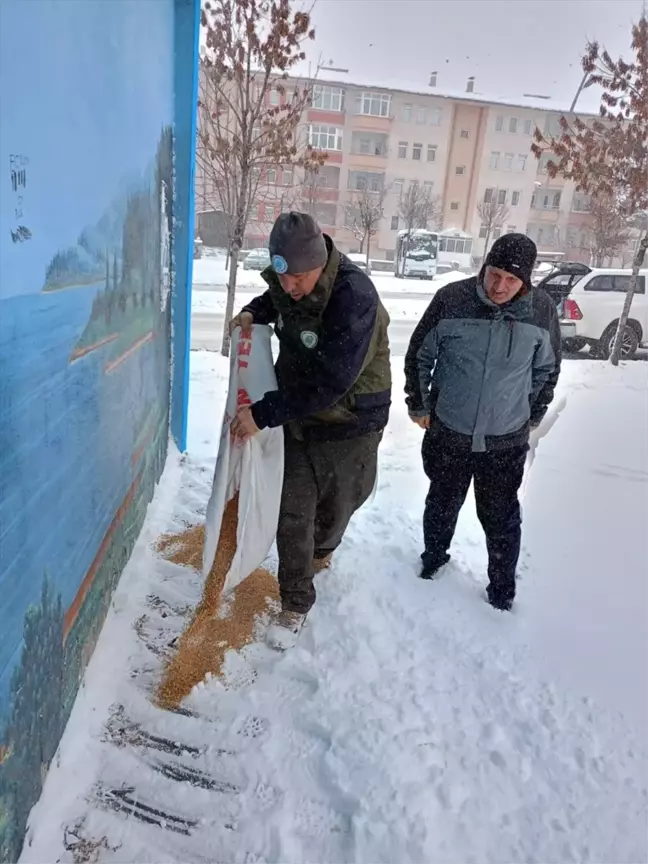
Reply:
x=248, y=113
x=418, y=208
x=493, y=214
x=610, y=230
x=364, y=212
x=610, y=156
x=309, y=188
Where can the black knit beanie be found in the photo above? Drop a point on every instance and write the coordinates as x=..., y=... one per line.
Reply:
x=515, y=253
x=296, y=244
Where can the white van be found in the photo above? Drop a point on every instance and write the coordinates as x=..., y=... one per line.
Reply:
x=590, y=301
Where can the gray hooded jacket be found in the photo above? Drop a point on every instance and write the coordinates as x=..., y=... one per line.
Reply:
x=486, y=372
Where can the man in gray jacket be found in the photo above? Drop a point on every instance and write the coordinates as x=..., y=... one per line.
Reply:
x=481, y=369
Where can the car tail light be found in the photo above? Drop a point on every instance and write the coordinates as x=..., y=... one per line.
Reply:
x=572, y=311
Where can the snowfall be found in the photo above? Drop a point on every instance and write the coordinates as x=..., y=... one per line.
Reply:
x=412, y=722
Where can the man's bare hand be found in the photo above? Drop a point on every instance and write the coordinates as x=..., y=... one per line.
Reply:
x=244, y=320
x=423, y=422
x=243, y=426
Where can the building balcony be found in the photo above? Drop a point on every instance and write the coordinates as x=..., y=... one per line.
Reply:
x=367, y=161
x=321, y=115
x=368, y=123
x=333, y=157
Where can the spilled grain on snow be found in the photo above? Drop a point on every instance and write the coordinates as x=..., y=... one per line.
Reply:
x=218, y=625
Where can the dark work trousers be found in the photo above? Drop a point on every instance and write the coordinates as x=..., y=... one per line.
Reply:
x=325, y=482
x=497, y=475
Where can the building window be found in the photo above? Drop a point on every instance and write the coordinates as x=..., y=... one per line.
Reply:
x=325, y=137
x=325, y=213
x=373, y=104
x=488, y=196
x=510, y=229
x=515, y=199
x=372, y=145
x=366, y=180
x=460, y=169
x=271, y=176
x=435, y=116
x=464, y=133
x=521, y=162
x=555, y=203
x=501, y=196
x=483, y=230
x=459, y=245
x=270, y=212
x=544, y=160
x=428, y=186
x=420, y=115
x=397, y=186
x=394, y=223
x=254, y=212
x=431, y=152
x=328, y=98
x=528, y=127
x=494, y=159
x=274, y=97
x=287, y=176
x=513, y=124
x=417, y=149
x=454, y=205
x=499, y=123
x=497, y=233
x=540, y=235
x=581, y=203
x=407, y=113
x=508, y=161
x=402, y=149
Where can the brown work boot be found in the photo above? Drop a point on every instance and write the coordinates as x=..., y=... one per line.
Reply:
x=321, y=564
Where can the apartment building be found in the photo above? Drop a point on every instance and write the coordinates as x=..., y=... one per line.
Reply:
x=466, y=149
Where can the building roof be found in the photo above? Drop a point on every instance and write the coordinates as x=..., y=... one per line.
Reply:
x=559, y=105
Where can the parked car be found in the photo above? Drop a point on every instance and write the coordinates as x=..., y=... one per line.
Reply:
x=589, y=301
x=360, y=261
x=257, y=259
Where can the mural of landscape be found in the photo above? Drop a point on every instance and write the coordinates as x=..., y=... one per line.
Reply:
x=86, y=276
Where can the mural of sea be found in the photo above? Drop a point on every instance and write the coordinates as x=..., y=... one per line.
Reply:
x=84, y=400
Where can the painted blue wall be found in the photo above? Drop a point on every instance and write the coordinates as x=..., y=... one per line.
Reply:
x=97, y=105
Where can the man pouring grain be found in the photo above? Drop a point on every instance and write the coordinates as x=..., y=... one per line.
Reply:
x=333, y=398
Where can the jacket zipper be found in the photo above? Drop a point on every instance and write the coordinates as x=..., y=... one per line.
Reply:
x=510, y=342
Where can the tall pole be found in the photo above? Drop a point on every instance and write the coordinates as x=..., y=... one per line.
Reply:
x=581, y=87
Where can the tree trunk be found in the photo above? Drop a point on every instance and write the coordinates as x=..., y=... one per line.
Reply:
x=231, y=293
x=368, y=248
x=405, y=248
x=625, y=312
x=227, y=260
x=486, y=242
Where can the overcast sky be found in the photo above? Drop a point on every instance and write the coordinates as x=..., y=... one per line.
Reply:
x=510, y=46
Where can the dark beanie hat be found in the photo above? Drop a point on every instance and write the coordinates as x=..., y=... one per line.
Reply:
x=515, y=253
x=297, y=244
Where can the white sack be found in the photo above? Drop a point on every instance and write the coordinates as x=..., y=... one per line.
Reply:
x=254, y=469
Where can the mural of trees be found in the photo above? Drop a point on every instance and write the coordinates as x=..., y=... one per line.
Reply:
x=36, y=723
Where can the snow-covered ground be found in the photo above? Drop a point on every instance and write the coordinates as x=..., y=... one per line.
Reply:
x=405, y=300
x=413, y=723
